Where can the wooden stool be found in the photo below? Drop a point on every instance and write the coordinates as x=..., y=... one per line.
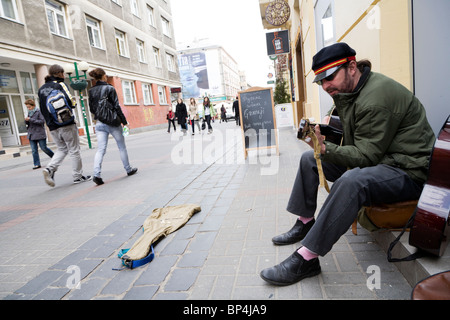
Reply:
x=389, y=216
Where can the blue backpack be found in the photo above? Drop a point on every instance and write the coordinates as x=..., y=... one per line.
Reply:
x=59, y=108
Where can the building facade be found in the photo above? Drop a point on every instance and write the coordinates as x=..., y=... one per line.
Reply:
x=208, y=71
x=401, y=38
x=132, y=40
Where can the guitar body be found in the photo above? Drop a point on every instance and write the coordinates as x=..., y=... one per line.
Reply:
x=431, y=225
x=332, y=131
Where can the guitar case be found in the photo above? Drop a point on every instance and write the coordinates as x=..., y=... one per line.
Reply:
x=430, y=221
x=434, y=287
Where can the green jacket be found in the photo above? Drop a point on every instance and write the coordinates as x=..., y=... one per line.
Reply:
x=212, y=112
x=383, y=123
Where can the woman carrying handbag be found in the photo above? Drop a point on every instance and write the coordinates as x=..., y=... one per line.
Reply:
x=103, y=99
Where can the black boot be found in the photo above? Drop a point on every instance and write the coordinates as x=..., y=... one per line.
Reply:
x=291, y=270
x=297, y=233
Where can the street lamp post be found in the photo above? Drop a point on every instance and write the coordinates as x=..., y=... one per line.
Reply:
x=79, y=83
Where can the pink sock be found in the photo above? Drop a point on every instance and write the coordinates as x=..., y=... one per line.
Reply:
x=305, y=220
x=306, y=254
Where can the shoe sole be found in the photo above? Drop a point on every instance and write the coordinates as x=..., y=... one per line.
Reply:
x=286, y=243
x=282, y=284
x=48, y=179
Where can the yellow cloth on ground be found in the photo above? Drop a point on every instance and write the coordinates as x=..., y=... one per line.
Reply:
x=161, y=222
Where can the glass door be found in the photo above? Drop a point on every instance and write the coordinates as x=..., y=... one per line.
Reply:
x=6, y=124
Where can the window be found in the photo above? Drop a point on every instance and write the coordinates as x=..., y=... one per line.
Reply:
x=56, y=18
x=170, y=62
x=165, y=26
x=93, y=29
x=162, y=95
x=8, y=9
x=147, y=93
x=151, y=20
x=121, y=43
x=327, y=27
x=134, y=7
x=140, y=50
x=129, y=93
x=157, y=57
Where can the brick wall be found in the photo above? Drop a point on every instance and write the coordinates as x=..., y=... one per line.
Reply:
x=140, y=115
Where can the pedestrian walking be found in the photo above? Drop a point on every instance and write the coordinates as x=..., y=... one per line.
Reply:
x=56, y=105
x=208, y=112
x=181, y=114
x=193, y=115
x=236, y=111
x=171, y=120
x=102, y=96
x=383, y=135
x=36, y=132
x=223, y=114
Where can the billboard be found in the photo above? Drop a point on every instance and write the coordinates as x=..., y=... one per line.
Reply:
x=200, y=74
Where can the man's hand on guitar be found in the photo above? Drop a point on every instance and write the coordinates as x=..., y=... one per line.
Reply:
x=320, y=139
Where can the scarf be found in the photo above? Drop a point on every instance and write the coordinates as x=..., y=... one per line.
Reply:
x=31, y=112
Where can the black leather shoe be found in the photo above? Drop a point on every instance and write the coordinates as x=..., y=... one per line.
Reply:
x=291, y=270
x=297, y=233
x=98, y=181
x=132, y=171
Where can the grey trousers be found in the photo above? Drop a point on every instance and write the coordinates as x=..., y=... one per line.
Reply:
x=351, y=190
x=67, y=141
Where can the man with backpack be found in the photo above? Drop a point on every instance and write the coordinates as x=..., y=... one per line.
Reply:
x=56, y=104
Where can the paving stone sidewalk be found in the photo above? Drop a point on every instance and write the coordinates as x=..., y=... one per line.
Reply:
x=219, y=253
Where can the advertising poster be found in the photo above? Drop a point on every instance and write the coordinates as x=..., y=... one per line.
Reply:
x=199, y=74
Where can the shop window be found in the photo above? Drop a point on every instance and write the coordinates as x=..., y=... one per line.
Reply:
x=8, y=82
x=328, y=27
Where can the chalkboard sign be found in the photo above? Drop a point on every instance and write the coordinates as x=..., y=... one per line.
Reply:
x=257, y=118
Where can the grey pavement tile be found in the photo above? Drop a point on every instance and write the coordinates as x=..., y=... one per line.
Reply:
x=121, y=282
x=141, y=293
x=193, y=259
x=156, y=271
x=181, y=279
x=41, y=282
x=87, y=290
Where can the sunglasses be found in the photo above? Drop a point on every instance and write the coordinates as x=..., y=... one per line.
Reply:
x=329, y=78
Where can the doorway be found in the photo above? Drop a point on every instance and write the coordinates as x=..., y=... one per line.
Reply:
x=7, y=122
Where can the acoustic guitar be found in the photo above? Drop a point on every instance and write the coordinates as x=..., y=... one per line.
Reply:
x=332, y=131
x=431, y=225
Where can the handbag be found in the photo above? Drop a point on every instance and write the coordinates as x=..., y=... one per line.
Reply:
x=203, y=125
x=106, y=112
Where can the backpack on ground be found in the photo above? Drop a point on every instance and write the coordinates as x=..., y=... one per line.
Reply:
x=59, y=108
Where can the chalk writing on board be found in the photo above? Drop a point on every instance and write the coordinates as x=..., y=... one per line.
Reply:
x=258, y=121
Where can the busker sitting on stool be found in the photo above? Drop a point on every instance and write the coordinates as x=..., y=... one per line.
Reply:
x=387, y=143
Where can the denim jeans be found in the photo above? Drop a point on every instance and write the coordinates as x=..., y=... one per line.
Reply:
x=351, y=190
x=35, y=152
x=102, y=131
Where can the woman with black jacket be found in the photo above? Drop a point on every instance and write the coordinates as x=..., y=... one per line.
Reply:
x=181, y=114
x=103, y=90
